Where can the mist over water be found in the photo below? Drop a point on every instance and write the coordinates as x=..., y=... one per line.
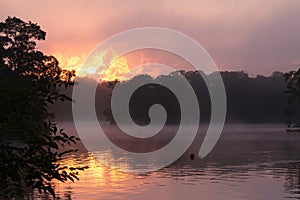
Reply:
x=258, y=161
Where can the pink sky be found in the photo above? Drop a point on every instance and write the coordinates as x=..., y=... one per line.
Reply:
x=256, y=36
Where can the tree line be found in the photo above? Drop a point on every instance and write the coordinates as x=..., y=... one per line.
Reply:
x=259, y=99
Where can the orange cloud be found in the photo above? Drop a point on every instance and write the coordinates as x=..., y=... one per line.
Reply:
x=69, y=62
x=109, y=66
x=116, y=70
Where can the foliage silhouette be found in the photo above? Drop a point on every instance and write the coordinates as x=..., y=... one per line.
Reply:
x=30, y=143
x=259, y=99
x=293, y=93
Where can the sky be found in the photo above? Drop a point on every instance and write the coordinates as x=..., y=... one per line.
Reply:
x=255, y=36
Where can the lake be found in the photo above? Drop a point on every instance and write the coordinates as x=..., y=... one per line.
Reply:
x=248, y=162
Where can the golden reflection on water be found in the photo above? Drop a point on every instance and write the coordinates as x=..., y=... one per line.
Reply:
x=103, y=176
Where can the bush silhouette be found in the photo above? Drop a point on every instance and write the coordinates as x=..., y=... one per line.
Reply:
x=30, y=144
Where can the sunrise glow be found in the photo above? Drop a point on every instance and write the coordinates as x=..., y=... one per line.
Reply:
x=116, y=70
x=108, y=66
x=109, y=71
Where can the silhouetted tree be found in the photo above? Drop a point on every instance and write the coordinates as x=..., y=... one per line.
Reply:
x=293, y=92
x=107, y=110
x=257, y=99
x=30, y=143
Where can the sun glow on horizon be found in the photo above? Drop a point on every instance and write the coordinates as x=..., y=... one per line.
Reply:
x=117, y=69
x=108, y=66
x=109, y=71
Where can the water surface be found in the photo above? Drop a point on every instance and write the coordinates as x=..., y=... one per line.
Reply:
x=248, y=162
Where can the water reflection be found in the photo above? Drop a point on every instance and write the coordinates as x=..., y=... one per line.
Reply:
x=247, y=163
x=292, y=180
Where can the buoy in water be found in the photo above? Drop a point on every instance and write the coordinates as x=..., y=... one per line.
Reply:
x=192, y=156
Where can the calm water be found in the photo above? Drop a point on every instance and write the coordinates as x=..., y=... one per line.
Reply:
x=248, y=162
